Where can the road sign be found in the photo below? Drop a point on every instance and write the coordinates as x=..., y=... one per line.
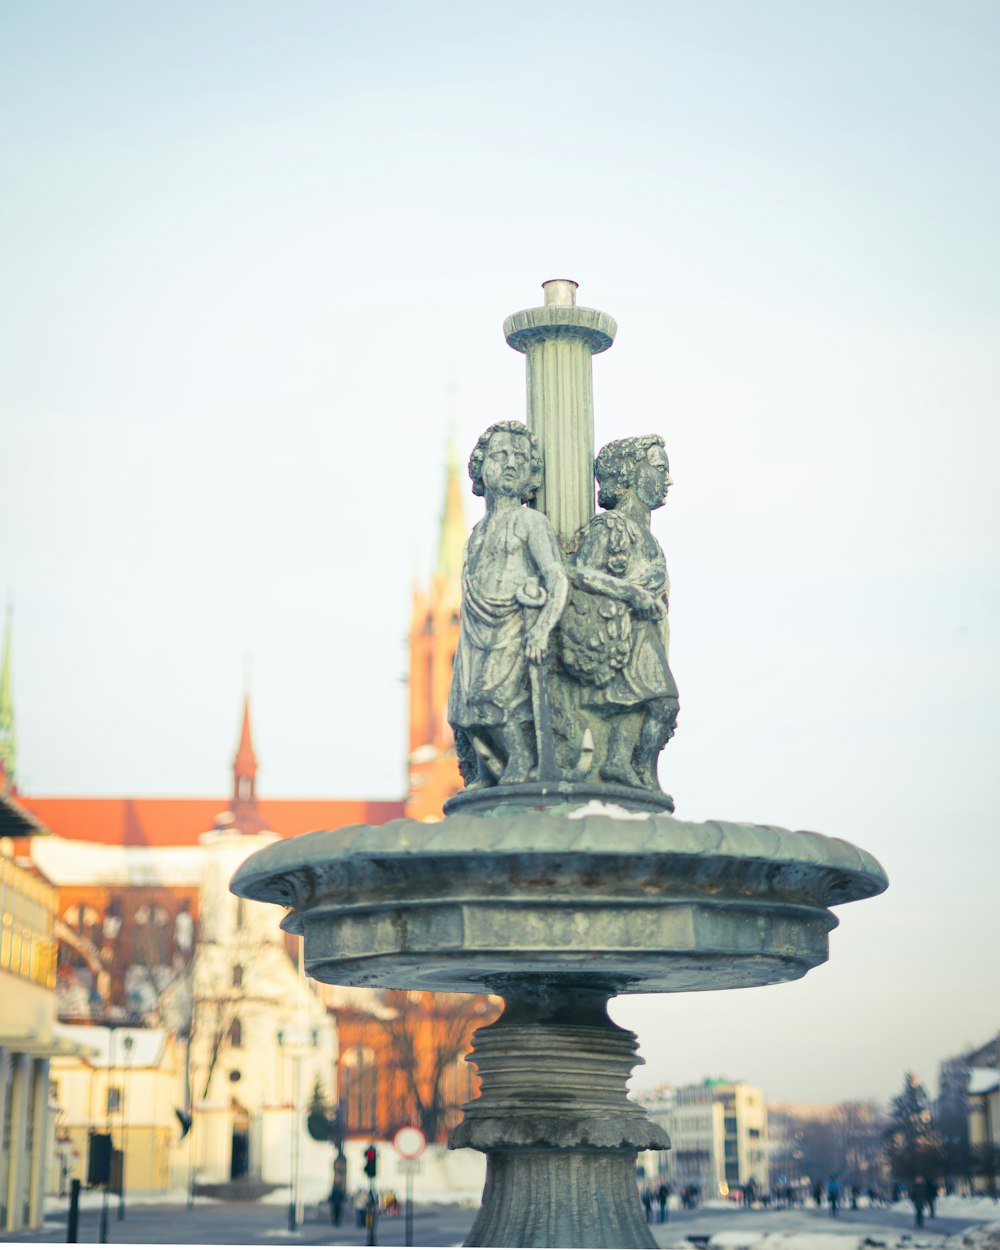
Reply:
x=409, y=1142
x=409, y=1167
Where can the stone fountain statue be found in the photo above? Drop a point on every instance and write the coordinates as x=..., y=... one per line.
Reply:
x=559, y=877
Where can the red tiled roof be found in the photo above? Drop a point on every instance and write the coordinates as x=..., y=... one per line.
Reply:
x=180, y=822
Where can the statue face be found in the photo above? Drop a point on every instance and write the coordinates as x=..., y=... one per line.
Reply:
x=653, y=478
x=507, y=465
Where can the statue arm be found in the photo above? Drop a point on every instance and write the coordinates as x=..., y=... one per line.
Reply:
x=590, y=573
x=548, y=560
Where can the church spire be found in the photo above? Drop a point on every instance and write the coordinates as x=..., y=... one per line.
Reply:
x=8, y=736
x=247, y=817
x=245, y=763
x=451, y=539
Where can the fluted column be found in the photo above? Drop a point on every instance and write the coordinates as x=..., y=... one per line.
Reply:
x=559, y=340
x=554, y=1120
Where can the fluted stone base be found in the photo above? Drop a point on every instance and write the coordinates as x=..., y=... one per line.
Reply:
x=560, y=1198
x=558, y=1129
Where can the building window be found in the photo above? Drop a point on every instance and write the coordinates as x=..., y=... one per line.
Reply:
x=241, y=913
x=114, y=1098
x=236, y=1033
x=360, y=1089
x=237, y=976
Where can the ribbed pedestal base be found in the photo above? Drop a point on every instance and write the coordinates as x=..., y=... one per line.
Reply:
x=554, y=1120
x=560, y=1198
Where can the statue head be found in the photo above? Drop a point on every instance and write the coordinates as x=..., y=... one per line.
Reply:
x=638, y=464
x=516, y=431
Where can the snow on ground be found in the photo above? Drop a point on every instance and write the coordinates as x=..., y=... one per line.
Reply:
x=92, y=1199
x=980, y=1237
x=740, y=1229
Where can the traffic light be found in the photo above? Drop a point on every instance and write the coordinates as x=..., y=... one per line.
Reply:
x=371, y=1161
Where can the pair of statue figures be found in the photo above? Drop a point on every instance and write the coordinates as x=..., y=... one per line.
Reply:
x=561, y=670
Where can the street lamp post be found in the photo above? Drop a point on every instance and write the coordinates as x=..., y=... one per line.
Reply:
x=127, y=1042
x=293, y=1046
x=988, y=1159
x=103, y=1232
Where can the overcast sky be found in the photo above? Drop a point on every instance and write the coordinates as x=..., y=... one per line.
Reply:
x=246, y=250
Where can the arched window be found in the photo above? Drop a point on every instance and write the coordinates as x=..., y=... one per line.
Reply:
x=359, y=1082
x=236, y=1034
x=86, y=921
x=237, y=976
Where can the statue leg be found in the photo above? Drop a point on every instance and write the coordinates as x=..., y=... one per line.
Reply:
x=477, y=762
x=623, y=731
x=513, y=742
x=657, y=730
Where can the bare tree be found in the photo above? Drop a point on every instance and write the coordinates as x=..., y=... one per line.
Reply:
x=413, y=1072
x=226, y=981
x=844, y=1138
x=428, y=1034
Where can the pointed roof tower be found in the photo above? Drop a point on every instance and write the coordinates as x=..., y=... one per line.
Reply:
x=247, y=817
x=8, y=735
x=245, y=763
x=451, y=539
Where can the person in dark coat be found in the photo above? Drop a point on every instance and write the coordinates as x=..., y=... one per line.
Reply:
x=918, y=1196
x=662, y=1194
x=930, y=1193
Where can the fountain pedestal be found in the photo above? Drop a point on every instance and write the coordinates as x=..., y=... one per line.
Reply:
x=557, y=878
x=559, y=1133
x=556, y=909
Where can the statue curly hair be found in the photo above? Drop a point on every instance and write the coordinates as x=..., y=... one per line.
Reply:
x=618, y=463
x=479, y=455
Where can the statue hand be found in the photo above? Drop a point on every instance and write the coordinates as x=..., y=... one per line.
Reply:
x=643, y=604
x=535, y=642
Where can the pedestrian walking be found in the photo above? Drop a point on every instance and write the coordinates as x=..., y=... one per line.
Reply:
x=647, y=1203
x=930, y=1193
x=662, y=1194
x=833, y=1192
x=918, y=1196
x=336, y=1204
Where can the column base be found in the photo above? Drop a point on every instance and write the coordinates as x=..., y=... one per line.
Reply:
x=554, y=1120
x=561, y=1198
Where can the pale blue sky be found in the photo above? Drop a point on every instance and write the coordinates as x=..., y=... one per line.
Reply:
x=247, y=248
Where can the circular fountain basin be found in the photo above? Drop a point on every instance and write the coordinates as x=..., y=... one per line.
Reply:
x=594, y=895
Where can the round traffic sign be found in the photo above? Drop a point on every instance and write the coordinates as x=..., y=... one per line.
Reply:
x=409, y=1142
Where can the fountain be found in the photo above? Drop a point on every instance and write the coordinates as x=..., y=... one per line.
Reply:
x=559, y=876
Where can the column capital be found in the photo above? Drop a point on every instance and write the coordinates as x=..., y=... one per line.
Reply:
x=554, y=321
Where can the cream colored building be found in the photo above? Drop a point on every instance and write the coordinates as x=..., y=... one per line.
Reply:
x=27, y=1042
x=718, y=1136
x=244, y=1035
x=261, y=1037
x=983, y=1093
x=129, y=1082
